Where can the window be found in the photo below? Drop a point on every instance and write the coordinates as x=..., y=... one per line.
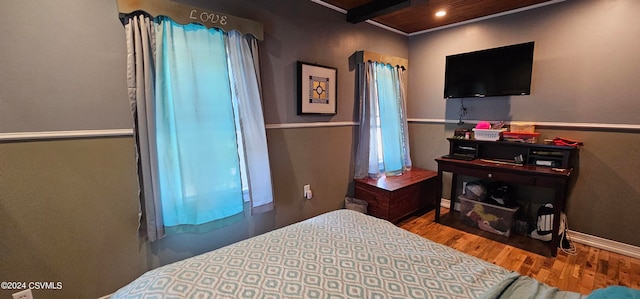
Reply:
x=383, y=147
x=200, y=131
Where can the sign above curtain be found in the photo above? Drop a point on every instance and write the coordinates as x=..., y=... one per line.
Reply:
x=364, y=56
x=185, y=14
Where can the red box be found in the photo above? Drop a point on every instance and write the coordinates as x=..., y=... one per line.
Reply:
x=521, y=137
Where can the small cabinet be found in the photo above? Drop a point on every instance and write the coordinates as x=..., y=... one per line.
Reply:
x=393, y=198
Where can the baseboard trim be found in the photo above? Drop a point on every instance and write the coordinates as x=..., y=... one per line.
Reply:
x=445, y=203
x=589, y=240
x=606, y=244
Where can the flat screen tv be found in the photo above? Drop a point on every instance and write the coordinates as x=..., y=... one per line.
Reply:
x=502, y=71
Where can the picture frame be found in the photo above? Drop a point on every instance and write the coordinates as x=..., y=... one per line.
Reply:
x=317, y=89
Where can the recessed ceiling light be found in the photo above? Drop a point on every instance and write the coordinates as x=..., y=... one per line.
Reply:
x=441, y=13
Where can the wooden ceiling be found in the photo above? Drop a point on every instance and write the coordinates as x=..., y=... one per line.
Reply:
x=410, y=16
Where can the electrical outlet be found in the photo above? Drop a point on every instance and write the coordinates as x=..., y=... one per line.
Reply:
x=307, y=192
x=25, y=294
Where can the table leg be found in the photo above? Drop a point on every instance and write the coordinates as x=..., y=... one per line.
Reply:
x=438, y=196
x=452, y=194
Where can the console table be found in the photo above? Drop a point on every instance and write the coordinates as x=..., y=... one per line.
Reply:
x=393, y=198
x=488, y=160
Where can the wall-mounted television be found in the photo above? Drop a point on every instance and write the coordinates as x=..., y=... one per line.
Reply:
x=503, y=71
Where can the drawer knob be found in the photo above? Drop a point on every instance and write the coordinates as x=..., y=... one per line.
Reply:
x=490, y=175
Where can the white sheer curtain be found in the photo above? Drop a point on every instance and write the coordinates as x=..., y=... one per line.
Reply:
x=383, y=145
x=245, y=86
x=243, y=76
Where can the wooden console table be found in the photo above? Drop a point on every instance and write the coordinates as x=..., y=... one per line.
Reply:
x=392, y=198
x=556, y=177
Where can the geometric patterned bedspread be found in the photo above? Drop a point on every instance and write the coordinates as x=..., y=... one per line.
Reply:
x=340, y=254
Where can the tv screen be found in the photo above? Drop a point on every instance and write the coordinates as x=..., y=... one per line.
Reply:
x=502, y=71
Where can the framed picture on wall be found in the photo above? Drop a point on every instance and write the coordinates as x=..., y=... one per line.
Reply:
x=317, y=89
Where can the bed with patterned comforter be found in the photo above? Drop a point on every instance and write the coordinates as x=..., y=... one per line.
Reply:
x=340, y=254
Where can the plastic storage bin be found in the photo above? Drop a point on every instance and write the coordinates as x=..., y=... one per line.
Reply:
x=487, y=134
x=487, y=217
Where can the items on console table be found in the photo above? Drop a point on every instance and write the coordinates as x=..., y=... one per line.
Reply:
x=392, y=198
x=539, y=165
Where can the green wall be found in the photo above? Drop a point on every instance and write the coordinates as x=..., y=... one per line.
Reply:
x=69, y=215
x=69, y=207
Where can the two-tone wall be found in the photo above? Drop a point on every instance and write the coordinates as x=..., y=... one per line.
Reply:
x=69, y=207
x=584, y=87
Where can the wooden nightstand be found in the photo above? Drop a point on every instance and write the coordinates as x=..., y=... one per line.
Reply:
x=392, y=198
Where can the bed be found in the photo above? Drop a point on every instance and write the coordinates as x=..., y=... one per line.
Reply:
x=340, y=254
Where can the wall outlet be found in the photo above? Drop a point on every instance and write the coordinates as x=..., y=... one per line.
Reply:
x=25, y=294
x=307, y=192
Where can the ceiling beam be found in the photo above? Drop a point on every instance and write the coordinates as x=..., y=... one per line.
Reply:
x=374, y=9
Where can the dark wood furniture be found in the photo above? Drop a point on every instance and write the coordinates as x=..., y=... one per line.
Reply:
x=392, y=198
x=495, y=160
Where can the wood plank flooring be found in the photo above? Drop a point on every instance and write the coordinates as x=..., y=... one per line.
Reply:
x=589, y=269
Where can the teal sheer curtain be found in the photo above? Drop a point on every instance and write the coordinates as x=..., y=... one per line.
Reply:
x=198, y=163
x=390, y=118
x=383, y=145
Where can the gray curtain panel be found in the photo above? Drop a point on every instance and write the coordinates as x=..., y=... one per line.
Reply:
x=140, y=35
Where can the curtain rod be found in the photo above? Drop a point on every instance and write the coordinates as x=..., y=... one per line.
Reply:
x=185, y=14
x=363, y=56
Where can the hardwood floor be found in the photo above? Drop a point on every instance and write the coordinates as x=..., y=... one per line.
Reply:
x=589, y=269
